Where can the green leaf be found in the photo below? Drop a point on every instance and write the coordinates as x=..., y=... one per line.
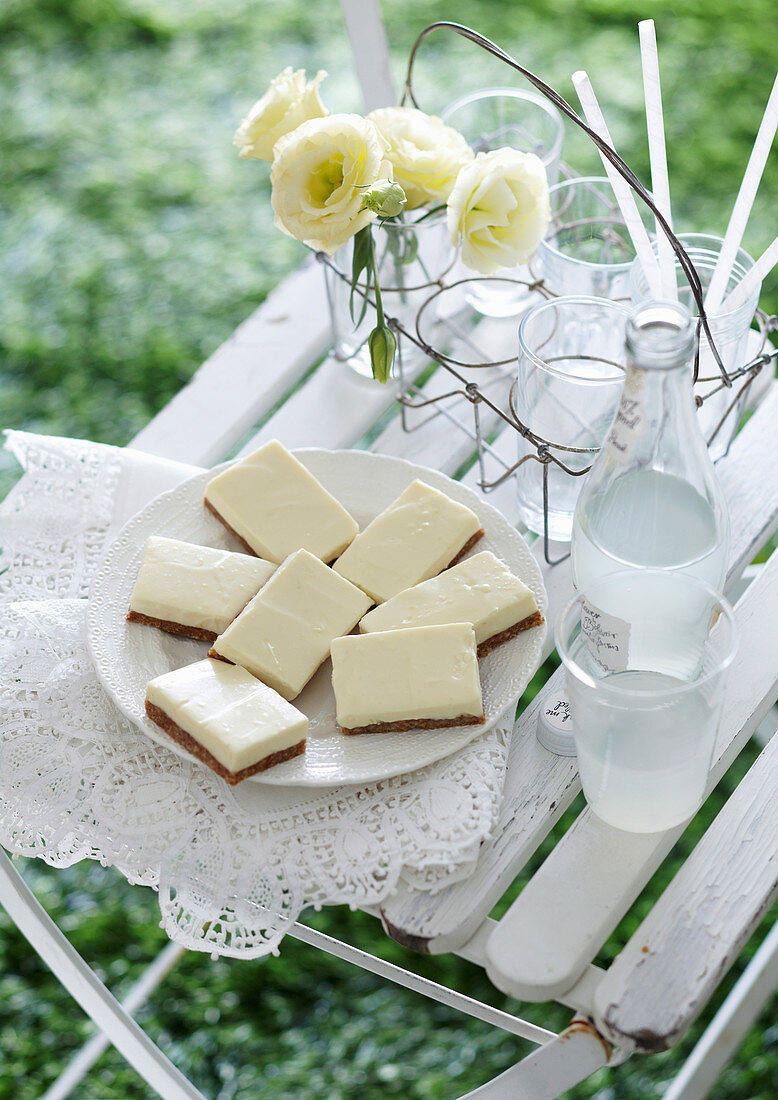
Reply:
x=403, y=245
x=411, y=249
x=382, y=344
x=431, y=213
x=363, y=249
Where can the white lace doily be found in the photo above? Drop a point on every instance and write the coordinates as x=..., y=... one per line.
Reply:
x=233, y=866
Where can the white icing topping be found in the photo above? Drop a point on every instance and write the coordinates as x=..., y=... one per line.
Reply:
x=277, y=506
x=480, y=590
x=420, y=673
x=196, y=585
x=285, y=632
x=236, y=718
x=419, y=534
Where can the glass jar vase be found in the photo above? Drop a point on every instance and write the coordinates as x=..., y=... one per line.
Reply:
x=411, y=258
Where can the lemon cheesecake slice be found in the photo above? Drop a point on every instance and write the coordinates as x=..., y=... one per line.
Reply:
x=285, y=632
x=420, y=533
x=194, y=590
x=274, y=505
x=480, y=590
x=417, y=678
x=226, y=718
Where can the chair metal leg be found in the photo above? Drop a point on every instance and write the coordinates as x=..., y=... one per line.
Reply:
x=406, y=978
x=729, y=1026
x=561, y=1062
x=77, y=977
x=140, y=992
x=547, y=1073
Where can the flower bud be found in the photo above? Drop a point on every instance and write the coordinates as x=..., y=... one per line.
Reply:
x=384, y=198
x=382, y=345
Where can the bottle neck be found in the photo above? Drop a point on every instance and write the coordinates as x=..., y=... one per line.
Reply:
x=656, y=423
x=666, y=395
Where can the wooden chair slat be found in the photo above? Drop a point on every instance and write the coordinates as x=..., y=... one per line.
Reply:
x=367, y=35
x=676, y=958
x=246, y=376
x=333, y=408
x=595, y=872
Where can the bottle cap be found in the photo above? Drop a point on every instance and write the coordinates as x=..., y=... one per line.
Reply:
x=555, y=724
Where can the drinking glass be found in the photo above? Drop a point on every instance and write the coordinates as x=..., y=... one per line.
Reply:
x=587, y=249
x=491, y=119
x=570, y=376
x=645, y=655
x=411, y=257
x=730, y=331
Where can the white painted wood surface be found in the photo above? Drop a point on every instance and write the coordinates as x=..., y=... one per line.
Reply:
x=580, y=998
x=572, y=903
x=674, y=961
x=245, y=377
x=729, y=1026
x=539, y=786
x=371, y=53
x=335, y=408
x=748, y=476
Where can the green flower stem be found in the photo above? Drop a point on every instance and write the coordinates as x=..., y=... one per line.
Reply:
x=379, y=306
x=381, y=342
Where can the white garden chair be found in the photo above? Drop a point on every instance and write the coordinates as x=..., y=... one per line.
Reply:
x=542, y=949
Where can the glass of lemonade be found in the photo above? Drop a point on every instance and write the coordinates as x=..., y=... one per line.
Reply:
x=646, y=654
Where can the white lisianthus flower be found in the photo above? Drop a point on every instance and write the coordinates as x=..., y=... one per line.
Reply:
x=499, y=209
x=319, y=177
x=425, y=153
x=288, y=102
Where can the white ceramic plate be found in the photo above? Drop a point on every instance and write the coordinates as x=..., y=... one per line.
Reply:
x=128, y=655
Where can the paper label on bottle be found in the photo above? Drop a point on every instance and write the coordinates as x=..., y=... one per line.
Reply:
x=556, y=711
x=607, y=637
x=631, y=420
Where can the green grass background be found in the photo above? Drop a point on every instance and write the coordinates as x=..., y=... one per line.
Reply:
x=132, y=242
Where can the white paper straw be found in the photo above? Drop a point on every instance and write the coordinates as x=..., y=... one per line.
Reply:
x=657, y=153
x=752, y=278
x=621, y=189
x=743, y=203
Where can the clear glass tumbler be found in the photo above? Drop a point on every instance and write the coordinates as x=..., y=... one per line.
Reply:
x=411, y=258
x=492, y=118
x=569, y=382
x=646, y=655
x=587, y=249
x=730, y=334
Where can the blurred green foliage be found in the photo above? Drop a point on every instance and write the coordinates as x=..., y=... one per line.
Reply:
x=132, y=242
x=133, y=239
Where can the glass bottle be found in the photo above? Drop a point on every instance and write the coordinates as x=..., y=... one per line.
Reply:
x=651, y=498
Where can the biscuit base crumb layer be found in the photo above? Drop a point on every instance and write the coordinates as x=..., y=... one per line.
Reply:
x=218, y=657
x=186, y=741
x=468, y=546
x=198, y=632
x=535, y=619
x=415, y=724
x=232, y=531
